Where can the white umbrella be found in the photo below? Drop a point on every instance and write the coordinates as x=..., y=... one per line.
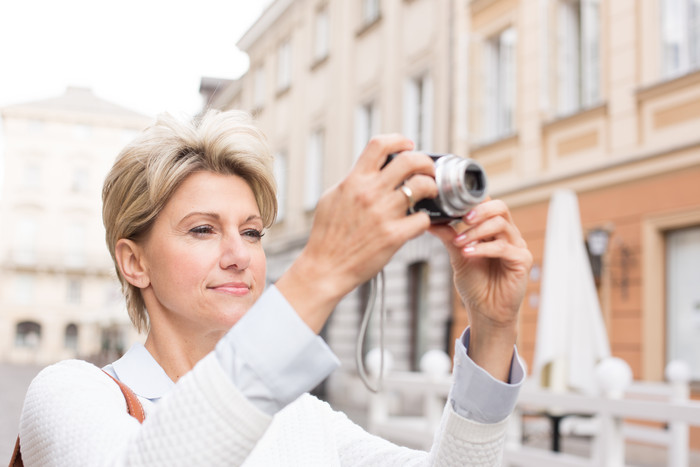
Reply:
x=571, y=335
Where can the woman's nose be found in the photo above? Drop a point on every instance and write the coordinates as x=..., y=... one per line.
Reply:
x=234, y=253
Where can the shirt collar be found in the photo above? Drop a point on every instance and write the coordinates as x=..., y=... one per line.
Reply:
x=140, y=371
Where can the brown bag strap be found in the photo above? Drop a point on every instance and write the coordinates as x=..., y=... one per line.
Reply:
x=16, y=460
x=133, y=406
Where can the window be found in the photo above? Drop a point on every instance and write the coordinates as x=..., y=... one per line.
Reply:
x=82, y=131
x=500, y=85
x=366, y=125
x=680, y=31
x=259, y=87
x=418, y=306
x=75, y=245
x=313, y=186
x=25, y=238
x=578, y=55
x=28, y=334
x=683, y=298
x=284, y=66
x=31, y=176
x=281, y=176
x=24, y=289
x=79, y=180
x=70, y=339
x=418, y=111
x=370, y=11
x=74, y=291
x=321, y=34
x=36, y=126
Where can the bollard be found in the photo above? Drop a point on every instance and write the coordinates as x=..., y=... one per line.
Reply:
x=678, y=374
x=613, y=376
x=434, y=364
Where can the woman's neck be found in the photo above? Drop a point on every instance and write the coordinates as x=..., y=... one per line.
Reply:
x=177, y=353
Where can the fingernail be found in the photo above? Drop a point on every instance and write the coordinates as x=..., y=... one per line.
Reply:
x=460, y=238
x=468, y=249
x=471, y=215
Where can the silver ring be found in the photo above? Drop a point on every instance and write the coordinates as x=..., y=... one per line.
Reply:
x=409, y=195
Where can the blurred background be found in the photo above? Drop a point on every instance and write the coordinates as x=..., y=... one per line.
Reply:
x=596, y=98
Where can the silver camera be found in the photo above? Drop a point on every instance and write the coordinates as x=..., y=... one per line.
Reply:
x=461, y=185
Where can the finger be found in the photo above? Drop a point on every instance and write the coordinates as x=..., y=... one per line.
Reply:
x=499, y=249
x=406, y=165
x=378, y=148
x=492, y=228
x=419, y=187
x=410, y=227
x=486, y=209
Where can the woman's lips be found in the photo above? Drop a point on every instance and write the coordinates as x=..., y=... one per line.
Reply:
x=233, y=288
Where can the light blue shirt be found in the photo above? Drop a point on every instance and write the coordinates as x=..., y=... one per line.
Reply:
x=273, y=357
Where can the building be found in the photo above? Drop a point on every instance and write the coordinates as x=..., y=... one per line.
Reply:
x=59, y=296
x=598, y=96
x=602, y=97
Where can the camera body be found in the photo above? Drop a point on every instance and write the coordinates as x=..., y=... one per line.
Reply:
x=461, y=185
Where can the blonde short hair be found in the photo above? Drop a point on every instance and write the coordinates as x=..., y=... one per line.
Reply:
x=149, y=170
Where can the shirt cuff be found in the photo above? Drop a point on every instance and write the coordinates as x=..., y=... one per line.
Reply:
x=272, y=356
x=478, y=396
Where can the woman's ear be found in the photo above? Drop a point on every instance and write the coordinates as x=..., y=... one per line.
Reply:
x=129, y=256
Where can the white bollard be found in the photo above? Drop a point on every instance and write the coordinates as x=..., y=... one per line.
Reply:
x=678, y=374
x=435, y=364
x=613, y=376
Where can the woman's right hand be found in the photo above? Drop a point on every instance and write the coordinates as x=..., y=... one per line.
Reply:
x=358, y=226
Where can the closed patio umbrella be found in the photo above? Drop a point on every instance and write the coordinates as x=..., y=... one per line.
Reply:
x=571, y=335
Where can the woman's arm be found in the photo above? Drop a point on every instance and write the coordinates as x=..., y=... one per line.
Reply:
x=76, y=415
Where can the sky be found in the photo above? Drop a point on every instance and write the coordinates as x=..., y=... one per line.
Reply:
x=145, y=55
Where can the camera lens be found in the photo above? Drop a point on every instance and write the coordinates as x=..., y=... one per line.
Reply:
x=473, y=180
x=461, y=184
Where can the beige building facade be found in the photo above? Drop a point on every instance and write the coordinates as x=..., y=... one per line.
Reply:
x=598, y=96
x=602, y=97
x=59, y=297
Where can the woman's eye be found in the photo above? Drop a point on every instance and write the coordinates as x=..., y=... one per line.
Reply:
x=202, y=230
x=253, y=234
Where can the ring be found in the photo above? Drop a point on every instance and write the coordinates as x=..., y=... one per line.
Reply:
x=409, y=195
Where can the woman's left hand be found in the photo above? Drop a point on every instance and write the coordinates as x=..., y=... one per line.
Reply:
x=491, y=264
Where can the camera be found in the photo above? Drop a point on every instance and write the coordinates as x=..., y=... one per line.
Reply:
x=461, y=185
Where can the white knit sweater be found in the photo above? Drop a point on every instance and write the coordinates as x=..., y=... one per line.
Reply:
x=76, y=415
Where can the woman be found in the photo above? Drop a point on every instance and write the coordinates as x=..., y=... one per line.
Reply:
x=225, y=368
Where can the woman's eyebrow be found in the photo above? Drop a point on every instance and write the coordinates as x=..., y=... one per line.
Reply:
x=216, y=216
x=212, y=215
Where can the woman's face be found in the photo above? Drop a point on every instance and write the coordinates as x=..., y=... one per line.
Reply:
x=203, y=254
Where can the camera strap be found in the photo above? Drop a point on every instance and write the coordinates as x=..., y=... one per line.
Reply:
x=362, y=335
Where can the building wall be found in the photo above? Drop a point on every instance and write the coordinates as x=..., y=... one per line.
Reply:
x=55, y=268
x=632, y=155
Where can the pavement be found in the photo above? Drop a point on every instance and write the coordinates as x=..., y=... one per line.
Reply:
x=14, y=380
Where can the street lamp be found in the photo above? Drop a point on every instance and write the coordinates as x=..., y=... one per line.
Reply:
x=597, y=242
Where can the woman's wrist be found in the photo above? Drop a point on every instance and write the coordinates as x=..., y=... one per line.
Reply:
x=311, y=291
x=491, y=347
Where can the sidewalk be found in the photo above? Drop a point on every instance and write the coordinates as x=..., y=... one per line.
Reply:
x=14, y=380
x=637, y=455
